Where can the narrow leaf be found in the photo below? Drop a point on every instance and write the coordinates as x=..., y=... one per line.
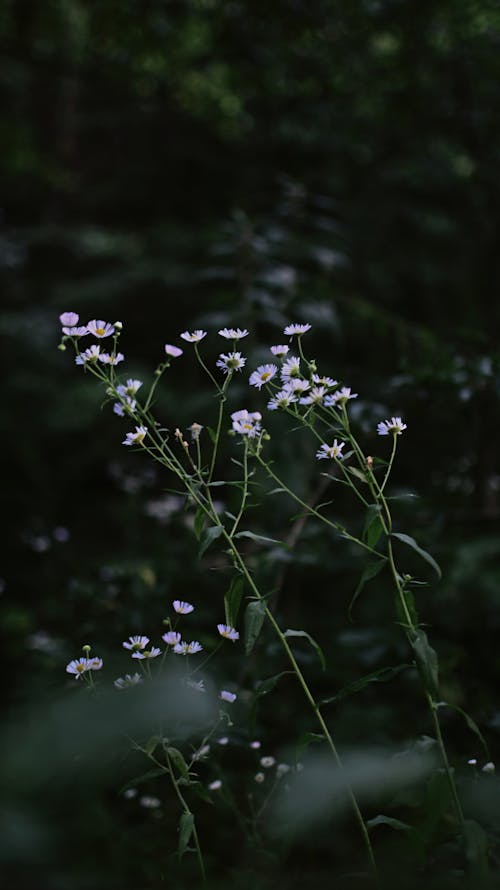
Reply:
x=232, y=600
x=151, y=744
x=406, y=539
x=314, y=644
x=268, y=685
x=199, y=520
x=383, y=675
x=306, y=739
x=209, y=536
x=259, y=539
x=354, y=471
x=373, y=526
x=178, y=761
x=369, y=572
x=186, y=825
x=254, y=618
x=470, y=723
x=427, y=661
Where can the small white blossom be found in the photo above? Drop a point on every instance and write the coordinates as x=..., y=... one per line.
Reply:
x=129, y=388
x=111, y=359
x=227, y=696
x=282, y=769
x=95, y=663
x=488, y=767
x=78, y=331
x=216, y=785
x=78, y=667
x=292, y=329
x=130, y=404
x=329, y=382
x=130, y=793
x=230, y=633
x=296, y=384
x=149, y=802
x=340, y=397
x=247, y=423
x=331, y=451
x=188, y=648
x=255, y=744
x=233, y=361
x=223, y=740
x=204, y=751
x=69, y=319
x=395, y=425
x=173, y=351
x=128, y=680
x=171, y=638
x=182, y=608
x=195, y=430
x=136, y=643
x=193, y=337
x=262, y=375
x=291, y=368
x=100, y=328
x=136, y=438
x=282, y=399
x=314, y=397
x=233, y=333
x=90, y=355
x=154, y=652
x=267, y=762
x=280, y=351
x=259, y=778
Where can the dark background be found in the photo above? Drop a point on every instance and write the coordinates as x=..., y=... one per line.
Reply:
x=185, y=164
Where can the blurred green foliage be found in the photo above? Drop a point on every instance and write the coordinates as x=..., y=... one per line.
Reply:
x=178, y=163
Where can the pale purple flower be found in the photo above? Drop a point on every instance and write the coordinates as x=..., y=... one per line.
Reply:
x=255, y=744
x=340, y=397
x=296, y=384
x=291, y=368
x=147, y=653
x=202, y=752
x=230, y=633
x=329, y=382
x=331, y=451
x=233, y=361
x=233, y=333
x=292, y=329
x=95, y=663
x=136, y=643
x=78, y=331
x=128, y=680
x=216, y=785
x=130, y=405
x=136, y=438
x=282, y=399
x=100, y=328
x=78, y=667
x=395, y=425
x=173, y=351
x=188, y=648
x=111, y=359
x=230, y=697
x=69, y=319
x=280, y=351
x=247, y=423
x=314, y=397
x=262, y=375
x=194, y=337
x=129, y=388
x=90, y=355
x=182, y=608
x=171, y=638
x=223, y=740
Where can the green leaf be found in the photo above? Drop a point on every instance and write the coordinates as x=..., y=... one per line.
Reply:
x=255, y=613
x=354, y=471
x=232, y=599
x=151, y=744
x=369, y=572
x=178, y=761
x=208, y=537
x=470, y=723
x=476, y=851
x=201, y=791
x=306, y=739
x=199, y=520
x=268, y=685
x=410, y=605
x=259, y=539
x=388, y=820
x=186, y=825
x=373, y=526
x=314, y=644
x=383, y=675
x=410, y=542
x=427, y=661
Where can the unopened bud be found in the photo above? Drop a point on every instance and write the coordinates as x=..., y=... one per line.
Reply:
x=62, y=347
x=369, y=462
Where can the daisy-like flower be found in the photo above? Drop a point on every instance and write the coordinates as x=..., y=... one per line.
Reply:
x=299, y=329
x=194, y=337
x=147, y=653
x=230, y=697
x=171, y=638
x=174, y=351
x=267, y=762
x=296, y=384
x=69, y=319
x=182, y=608
x=100, y=328
x=136, y=438
x=340, y=397
x=329, y=382
x=259, y=778
x=128, y=680
x=282, y=399
x=216, y=785
x=195, y=430
x=314, y=397
x=77, y=331
x=188, y=648
x=95, y=663
x=247, y=423
x=230, y=633
x=233, y=333
x=395, y=425
x=280, y=351
x=113, y=358
x=129, y=388
x=135, y=644
x=330, y=451
x=290, y=369
x=233, y=361
x=262, y=375
x=90, y=355
x=78, y=667
x=130, y=405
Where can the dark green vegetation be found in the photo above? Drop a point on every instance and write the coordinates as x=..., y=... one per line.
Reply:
x=186, y=164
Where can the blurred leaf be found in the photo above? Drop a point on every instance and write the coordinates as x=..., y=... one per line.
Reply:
x=383, y=675
x=254, y=618
x=265, y=686
x=259, y=539
x=232, y=599
x=369, y=572
x=476, y=851
x=199, y=520
x=209, y=536
x=314, y=644
x=186, y=826
x=306, y=739
x=470, y=723
x=427, y=661
x=406, y=539
x=178, y=761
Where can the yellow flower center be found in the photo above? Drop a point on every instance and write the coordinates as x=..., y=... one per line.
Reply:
x=99, y=332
